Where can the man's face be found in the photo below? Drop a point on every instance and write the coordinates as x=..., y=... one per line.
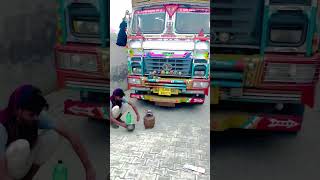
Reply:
x=26, y=116
x=118, y=98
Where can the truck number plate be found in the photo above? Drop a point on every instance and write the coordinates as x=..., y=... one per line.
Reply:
x=165, y=91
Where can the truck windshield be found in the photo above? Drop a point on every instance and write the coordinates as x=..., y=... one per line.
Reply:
x=152, y=23
x=191, y=23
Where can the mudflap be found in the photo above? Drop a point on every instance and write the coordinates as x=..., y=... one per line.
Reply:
x=256, y=116
x=91, y=110
x=222, y=121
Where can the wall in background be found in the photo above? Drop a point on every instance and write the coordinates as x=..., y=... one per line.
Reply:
x=118, y=65
x=27, y=36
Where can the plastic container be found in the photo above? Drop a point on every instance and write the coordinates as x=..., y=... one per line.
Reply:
x=60, y=171
x=129, y=122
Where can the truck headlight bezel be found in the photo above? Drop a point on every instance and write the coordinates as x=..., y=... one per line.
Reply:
x=78, y=62
x=134, y=81
x=202, y=46
x=289, y=73
x=136, y=68
x=200, y=70
x=134, y=44
x=200, y=84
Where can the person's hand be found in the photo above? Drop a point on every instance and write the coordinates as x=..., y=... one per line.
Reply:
x=90, y=174
x=138, y=117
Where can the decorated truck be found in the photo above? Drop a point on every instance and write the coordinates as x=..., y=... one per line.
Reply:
x=265, y=63
x=168, y=45
x=82, y=56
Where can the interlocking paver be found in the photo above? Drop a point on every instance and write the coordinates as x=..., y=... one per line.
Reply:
x=133, y=174
x=187, y=175
x=152, y=162
x=137, y=154
x=126, y=159
x=158, y=171
x=206, y=177
x=147, y=177
x=118, y=173
x=142, y=168
x=137, y=160
x=129, y=166
x=155, y=150
x=147, y=155
x=163, y=178
x=117, y=164
x=167, y=164
x=178, y=167
x=173, y=173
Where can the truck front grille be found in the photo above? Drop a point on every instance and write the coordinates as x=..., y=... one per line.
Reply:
x=177, y=67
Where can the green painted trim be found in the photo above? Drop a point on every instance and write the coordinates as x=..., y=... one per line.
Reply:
x=249, y=121
x=265, y=27
x=311, y=30
x=192, y=69
x=63, y=21
x=103, y=30
x=129, y=67
x=207, y=71
x=142, y=68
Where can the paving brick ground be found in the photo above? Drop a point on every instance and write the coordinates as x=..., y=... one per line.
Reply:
x=181, y=136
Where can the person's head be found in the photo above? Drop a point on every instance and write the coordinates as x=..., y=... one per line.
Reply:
x=29, y=104
x=118, y=94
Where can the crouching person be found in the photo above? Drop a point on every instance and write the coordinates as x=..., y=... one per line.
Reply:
x=28, y=138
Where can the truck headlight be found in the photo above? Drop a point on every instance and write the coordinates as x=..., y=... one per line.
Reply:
x=200, y=70
x=202, y=46
x=134, y=81
x=80, y=62
x=198, y=84
x=290, y=73
x=136, y=68
x=135, y=44
x=86, y=27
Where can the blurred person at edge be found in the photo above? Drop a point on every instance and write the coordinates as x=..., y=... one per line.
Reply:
x=28, y=137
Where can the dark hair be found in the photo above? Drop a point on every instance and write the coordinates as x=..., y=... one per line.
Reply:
x=118, y=92
x=33, y=101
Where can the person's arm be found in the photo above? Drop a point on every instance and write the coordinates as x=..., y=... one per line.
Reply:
x=80, y=151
